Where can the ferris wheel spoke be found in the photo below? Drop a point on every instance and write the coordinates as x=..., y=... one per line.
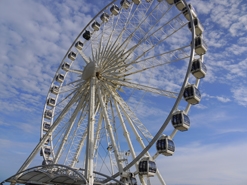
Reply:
x=77, y=138
x=150, y=32
x=113, y=27
x=141, y=34
x=126, y=135
x=128, y=24
x=153, y=46
x=72, y=86
x=109, y=128
x=80, y=72
x=140, y=141
x=77, y=94
x=77, y=142
x=71, y=122
x=98, y=132
x=146, y=88
x=107, y=75
x=163, y=58
x=179, y=54
x=84, y=56
x=130, y=113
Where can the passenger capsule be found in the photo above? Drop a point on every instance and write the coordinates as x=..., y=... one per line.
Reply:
x=198, y=69
x=105, y=17
x=72, y=55
x=133, y=181
x=65, y=66
x=109, y=148
x=96, y=26
x=137, y=2
x=47, y=161
x=180, y=121
x=147, y=167
x=79, y=45
x=48, y=114
x=198, y=27
x=200, y=46
x=86, y=35
x=46, y=126
x=55, y=89
x=168, y=1
x=46, y=150
x=192, y=95
x=114, y=10
x=125, y=4
x=179, y=4
x=51, y=102
x=165, y=145
x=186, y=12
x=60, y=78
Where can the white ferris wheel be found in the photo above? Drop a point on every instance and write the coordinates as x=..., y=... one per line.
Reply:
x=134, y=58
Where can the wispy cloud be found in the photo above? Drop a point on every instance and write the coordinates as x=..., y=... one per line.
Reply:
x=240, y=95
x=219, y=98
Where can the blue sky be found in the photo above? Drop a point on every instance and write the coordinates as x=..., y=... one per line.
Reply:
x=34, y=37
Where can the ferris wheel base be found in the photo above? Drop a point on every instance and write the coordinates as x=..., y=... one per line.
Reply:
x=57, y=175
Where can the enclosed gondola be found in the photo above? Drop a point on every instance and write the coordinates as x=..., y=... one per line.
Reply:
x=51, y=102
x=168, y=1
x=48, y=114
x=114, y=10
x=125, y=4
x=147, y=167
x=46, y=126
x=79, y=45
x=86, y=35
x=96, y=26
x=186, y=12
x=133, y=180
x=55, y=89
x=72, y=55
x=180, y=121
x=200, y=46
x=46, y=150
x=48, y=161
x=192, y=95
x=198, y=69
x=136, y=1
x=65, y=66
x=179, y=4
x=104, y=17
x=165, y=145
x=60, y=78
x=198, y=27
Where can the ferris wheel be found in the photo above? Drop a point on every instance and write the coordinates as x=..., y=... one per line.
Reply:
x=135, y=63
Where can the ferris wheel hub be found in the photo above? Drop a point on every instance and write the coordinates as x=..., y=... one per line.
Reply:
x=89, y=71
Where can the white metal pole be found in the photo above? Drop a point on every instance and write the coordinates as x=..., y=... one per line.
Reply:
x=90, y=135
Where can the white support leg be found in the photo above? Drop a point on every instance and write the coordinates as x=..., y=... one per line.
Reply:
x=90, y=136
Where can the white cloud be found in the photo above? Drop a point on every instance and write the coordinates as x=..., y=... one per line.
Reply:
x=222, y=99
x=239, y=27
x=219, y=98
x=240, y=95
